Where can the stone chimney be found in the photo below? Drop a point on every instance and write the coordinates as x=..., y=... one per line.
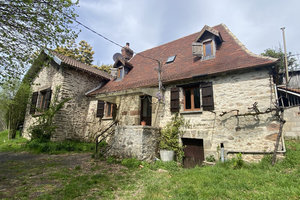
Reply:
x=127, y=53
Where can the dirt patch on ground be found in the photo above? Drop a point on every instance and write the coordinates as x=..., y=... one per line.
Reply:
x=26, y=175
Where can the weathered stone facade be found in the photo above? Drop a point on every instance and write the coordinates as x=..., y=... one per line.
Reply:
x=236, y=91
x=139, y=142
x=71, y=119
x=50, y=76
x=291, y=128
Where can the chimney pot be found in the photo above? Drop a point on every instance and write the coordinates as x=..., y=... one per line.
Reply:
x=127, y=53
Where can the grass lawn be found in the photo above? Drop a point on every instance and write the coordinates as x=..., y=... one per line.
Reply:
x=36, y=146
x=78, y=176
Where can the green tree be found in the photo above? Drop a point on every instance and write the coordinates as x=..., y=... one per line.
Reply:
x=26, y=26
x=104, y=67
x=13, y=103
x=277, y=53
x=84, y=53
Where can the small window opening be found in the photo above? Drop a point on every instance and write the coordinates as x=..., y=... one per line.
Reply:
x=171, y=59
x=222, y=145
x=207, y=49
x=120, y=73
x=109, y=109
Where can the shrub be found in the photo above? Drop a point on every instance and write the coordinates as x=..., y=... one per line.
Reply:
x=210, y=158
x=170, y=134
x=238, y=162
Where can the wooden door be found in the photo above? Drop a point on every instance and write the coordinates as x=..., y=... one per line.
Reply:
x=193, y=152
x=146, y=109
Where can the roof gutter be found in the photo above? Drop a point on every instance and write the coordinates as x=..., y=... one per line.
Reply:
x=94, y=89
x=55, y=58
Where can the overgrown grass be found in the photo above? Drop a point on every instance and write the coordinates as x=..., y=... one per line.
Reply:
x=15, y=145
x=222, y=181
x=40, y=146
x=95, y=179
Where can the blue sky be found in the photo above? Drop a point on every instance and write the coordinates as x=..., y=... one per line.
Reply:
x=146, y=24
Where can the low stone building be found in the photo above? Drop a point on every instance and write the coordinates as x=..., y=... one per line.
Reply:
x=72, y=79
x=208, y=77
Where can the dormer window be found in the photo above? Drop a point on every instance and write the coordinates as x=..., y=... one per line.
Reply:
x=205, y=45
x=208, y=49
x=120, y=73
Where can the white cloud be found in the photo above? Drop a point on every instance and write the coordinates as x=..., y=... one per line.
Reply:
x=146, y=24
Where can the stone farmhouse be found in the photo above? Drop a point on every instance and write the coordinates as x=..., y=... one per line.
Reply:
x=208, y=77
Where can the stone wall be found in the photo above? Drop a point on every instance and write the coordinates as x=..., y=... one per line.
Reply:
x=94, y=125
x=140, y=142
x=231, y=92
x=71, y=119
x=48, y=77
x=291, y=128
x=129, y=110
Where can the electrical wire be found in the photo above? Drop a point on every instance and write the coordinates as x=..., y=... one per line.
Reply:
x=99, y=34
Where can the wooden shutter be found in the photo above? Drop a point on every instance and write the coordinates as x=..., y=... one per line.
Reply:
x=114, y=111
x=174, y=100
x=33, y=102
x=100, y=109
x=48, y=98
x=207, y=96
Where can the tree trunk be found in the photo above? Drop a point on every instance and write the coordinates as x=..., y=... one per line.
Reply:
x=282, y=121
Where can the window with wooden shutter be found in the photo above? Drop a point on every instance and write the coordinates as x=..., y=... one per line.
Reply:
x=192, y=98
x=33, y=102
x=175, y=100
x=207, y=96
x=47, y=99
x=100, y=109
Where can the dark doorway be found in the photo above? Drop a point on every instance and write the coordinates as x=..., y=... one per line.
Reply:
x=193, y=152
x=146, y=109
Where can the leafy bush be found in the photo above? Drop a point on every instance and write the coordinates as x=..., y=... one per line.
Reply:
x=170, y=134
x=210, y=158
x=238, y=162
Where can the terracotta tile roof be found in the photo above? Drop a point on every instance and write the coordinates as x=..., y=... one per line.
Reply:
x=81, y=66
x=231, y=55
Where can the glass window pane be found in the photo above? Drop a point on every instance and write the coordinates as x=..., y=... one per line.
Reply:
x=196, y=97
x=208, y=49
x=187, y=99
x=121, y=73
